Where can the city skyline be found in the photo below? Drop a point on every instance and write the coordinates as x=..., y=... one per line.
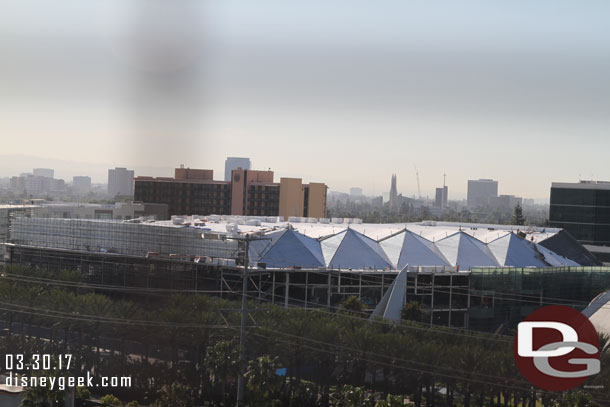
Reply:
x=183, y=182
x=99, y=175
x=516, y=92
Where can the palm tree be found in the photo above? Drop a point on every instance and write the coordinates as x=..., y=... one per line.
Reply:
x=299, y=324
x=363, y=339
x=98, y=305
x=125, y=310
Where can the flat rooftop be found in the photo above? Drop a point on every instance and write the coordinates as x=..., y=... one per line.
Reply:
x=430, y=230
x=605, y=185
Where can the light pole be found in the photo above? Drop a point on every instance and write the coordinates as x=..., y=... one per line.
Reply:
x=241, y=388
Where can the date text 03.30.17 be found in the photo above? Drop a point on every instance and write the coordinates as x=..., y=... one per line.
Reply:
x=19, y=361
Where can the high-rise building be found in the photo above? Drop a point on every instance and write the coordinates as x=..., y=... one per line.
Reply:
x=44, y=172
x=234, y=163
x=120, y=182
x=583, y=209
x=36, y=185
x=81, y=183
x=249, y=192
x=393, y=193
x=440, y=200
x=481, y=191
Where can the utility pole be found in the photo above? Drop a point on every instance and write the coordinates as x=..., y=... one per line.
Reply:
x=241, y=388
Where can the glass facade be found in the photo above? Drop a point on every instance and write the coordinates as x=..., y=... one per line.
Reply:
x=505, y=296
x=584, y=213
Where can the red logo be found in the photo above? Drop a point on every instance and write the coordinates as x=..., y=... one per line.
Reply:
x=556, y=348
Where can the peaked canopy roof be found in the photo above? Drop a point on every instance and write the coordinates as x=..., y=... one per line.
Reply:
x=289, y=248
x=258, y=248
x=408, y=248
x=351, y=249
x=555, y=259
x=463, y=250
x=514, y=251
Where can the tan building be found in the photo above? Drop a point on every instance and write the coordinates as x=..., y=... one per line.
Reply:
x=183, y=174
x=249, y=192
x=316, y=200
x=253, y=193
x=292, y=197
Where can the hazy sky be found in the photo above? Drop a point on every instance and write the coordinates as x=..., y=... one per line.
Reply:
x=344, y=92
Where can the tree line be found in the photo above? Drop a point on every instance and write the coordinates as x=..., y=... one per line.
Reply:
x=297, y=357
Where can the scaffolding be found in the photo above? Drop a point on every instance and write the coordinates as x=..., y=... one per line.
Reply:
x=7, y=213
x=118, y=237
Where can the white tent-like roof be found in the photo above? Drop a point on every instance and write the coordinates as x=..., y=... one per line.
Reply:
x=350, y=249
x=287, y=248
x=395, y=246
x=258, y=248
x=407, y=247
x=513, y=251
x=465, y=251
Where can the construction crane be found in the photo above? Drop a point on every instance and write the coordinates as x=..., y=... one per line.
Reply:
x=417, y=176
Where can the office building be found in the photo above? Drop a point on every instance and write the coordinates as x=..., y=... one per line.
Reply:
x=253, y=193
x=249, y=192
x=440, y=200
x=81, y=184
x=583, y=209
x=234, y=163
x=36, y=185
x=481, y=191
x=120, y=182
x=44, y=172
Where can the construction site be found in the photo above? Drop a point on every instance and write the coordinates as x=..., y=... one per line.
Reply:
x=479, y=277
